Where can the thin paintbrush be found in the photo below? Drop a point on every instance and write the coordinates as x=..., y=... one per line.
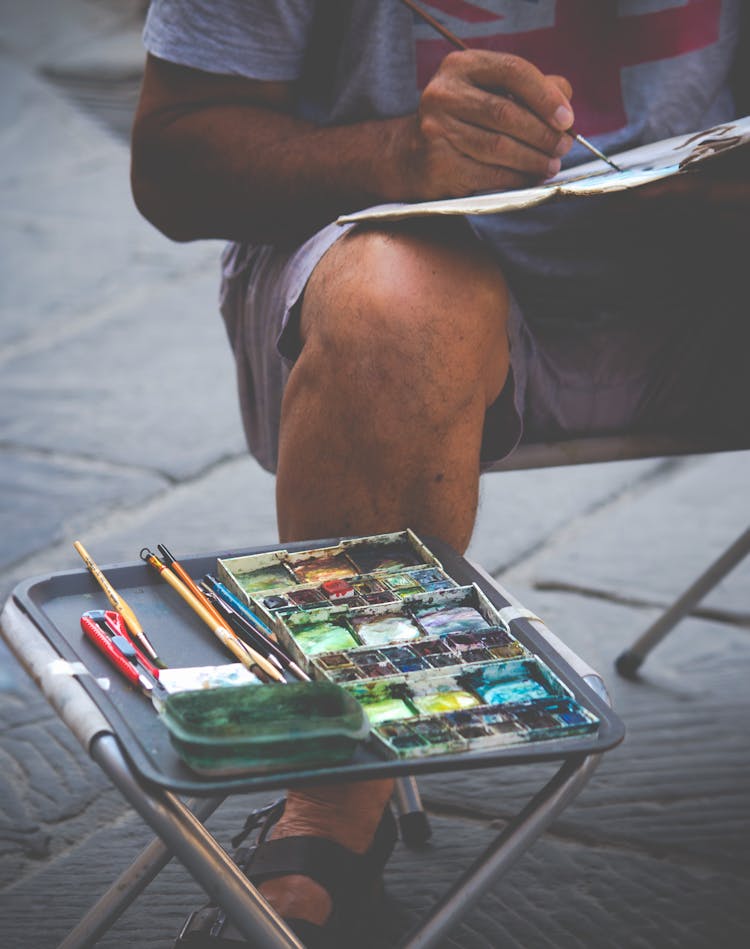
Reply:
x=459, y=44
x=118, y=603
x=274, y=652
x=239, y=649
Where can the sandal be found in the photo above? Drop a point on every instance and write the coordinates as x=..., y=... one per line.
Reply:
x=354, y=882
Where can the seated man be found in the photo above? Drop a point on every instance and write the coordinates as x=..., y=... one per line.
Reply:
x=381, y=369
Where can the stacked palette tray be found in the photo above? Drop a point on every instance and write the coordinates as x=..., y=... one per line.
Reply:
x=432, y=662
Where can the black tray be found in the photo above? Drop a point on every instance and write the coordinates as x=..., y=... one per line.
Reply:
x=54, y=604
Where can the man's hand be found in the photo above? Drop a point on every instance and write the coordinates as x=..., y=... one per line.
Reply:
x=486, y=122
x=222, y=156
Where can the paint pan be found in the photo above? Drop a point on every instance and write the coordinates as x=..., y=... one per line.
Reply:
x=373, y=591
x=338, y=667
x=276, y=602
x=438, y=732
x=435, y=653
x=385, y=597
x=337, y=589
x=419, y=737
x=403, y=739
x=500, y=721
x=376, y=670
x=308, y=598
x=267, y=579
x=402, y=584
x=366, y=586
x=379, y=629
x=372, y=555
x=327, y=635
x=346, y=674
x=316, y=569
x=256, y=573
x=405, y=659
x=430, y=578
x=332, y=661
x=445, y=699
x=511, y=683
x=555, y=718
x=501, y=645
x=450, y=619
x=383, y=701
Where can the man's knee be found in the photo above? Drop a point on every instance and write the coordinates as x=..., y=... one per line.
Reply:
x=410, y=309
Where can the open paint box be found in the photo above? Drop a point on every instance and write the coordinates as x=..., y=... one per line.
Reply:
x=431, y=660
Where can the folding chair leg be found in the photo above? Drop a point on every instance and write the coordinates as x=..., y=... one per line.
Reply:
x=628, y=662
x=129, y=885
x=414, y=823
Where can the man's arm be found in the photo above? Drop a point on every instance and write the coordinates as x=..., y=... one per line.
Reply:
x=223, y=157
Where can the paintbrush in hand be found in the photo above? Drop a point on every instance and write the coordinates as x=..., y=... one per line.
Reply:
x=459, y=44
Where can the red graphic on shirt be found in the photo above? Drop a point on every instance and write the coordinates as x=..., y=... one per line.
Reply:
x=589, y=44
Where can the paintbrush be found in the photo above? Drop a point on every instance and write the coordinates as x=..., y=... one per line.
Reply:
x=239, y=649
x=118, y=603
x=459, y=44
x=244, y=627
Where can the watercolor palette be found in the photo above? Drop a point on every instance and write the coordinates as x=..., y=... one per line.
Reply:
x=431, y=661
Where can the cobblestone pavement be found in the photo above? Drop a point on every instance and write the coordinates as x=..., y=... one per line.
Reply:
x=104, y=324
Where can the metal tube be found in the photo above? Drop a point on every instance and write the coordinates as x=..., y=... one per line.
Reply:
x=129, y=885
x=407, y=795
x=628, y=662
x=196, y=849
x=517, y=837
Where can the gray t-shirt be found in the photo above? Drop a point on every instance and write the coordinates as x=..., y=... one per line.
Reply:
x=641, y=70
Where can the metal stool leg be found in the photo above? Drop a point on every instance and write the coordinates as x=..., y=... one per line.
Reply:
x=505, y=850
x=207, y=862
x=414, y=823
x=628, y=662
x=129, y=885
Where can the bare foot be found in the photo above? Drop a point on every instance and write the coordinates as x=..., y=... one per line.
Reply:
x=345, y=813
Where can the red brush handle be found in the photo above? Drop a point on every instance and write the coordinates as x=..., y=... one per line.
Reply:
x=105, y=645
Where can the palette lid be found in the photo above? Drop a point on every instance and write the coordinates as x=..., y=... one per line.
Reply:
x=244, y=717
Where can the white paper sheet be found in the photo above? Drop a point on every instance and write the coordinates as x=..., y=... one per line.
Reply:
x=639, y=166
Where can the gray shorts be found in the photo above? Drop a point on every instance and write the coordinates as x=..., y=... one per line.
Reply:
x=678, y=363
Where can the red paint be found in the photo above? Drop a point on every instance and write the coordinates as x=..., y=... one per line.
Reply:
x=335, y=588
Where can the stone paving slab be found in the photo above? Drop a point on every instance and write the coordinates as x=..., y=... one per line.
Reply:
x=520, y=510
x=231, y=505
x=152, y=387
x=69, y=227
x=656, y=542
x=36, y=30
x=51, y=795
x=44, y=497
x=564, y=894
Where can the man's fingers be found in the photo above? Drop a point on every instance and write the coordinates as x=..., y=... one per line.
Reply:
x=498, y=113
x=563, y=85
x=493, y=149
x=514, y=76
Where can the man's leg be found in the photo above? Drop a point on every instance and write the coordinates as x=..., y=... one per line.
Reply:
x=404, y=348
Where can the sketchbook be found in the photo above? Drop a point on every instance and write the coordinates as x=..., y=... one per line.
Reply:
x=643, y=165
